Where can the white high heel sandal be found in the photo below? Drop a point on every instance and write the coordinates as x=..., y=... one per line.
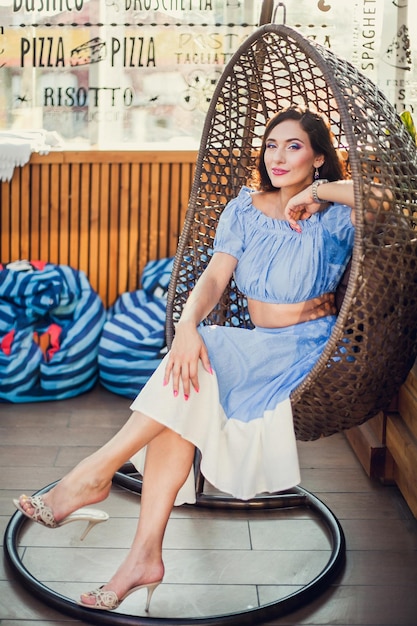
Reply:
x=42, y=514
x=108, y=600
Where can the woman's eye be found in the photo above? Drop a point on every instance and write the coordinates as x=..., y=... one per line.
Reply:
x=270, y=146
x=294, y=146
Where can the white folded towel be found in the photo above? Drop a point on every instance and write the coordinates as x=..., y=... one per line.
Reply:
x=16, y=148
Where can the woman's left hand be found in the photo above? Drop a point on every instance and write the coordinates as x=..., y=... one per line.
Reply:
x=301, y=207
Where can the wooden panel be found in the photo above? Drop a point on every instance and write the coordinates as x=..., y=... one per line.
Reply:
x=387, y=445
x=94, y=221
x=64, y=214
x=154, y=213
x=403, y=447
x=84, y=211
x=407, y=402
x=411, y=381
x=45, y=242
x=74, y=225
x=33, y=217
x=368, y=447
x=378, y=426
x=104, y=212
x=25, y=214
x=123, y=229
x=407, y=406
x=133, y=235
x=54, y=202
x=15, y=217
x=114, y=183
x=144, y=212
x=5, y=238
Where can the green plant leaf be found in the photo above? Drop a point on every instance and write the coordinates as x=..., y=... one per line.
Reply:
x=408, y=121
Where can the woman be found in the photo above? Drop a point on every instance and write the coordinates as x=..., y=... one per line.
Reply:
x=226, y=390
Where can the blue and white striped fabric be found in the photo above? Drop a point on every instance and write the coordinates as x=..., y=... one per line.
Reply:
x=133, y=343
x=56, y=304
x=156, y=276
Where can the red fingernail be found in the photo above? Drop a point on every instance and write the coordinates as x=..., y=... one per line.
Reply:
x=175, y=393
x=186, y=396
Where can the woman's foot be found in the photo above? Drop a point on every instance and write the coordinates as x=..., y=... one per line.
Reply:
x=76, y=490
x=43, y=514
x=109, y=600
x=130, y=575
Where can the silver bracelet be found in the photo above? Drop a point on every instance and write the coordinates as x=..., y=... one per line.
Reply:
x=314, y=186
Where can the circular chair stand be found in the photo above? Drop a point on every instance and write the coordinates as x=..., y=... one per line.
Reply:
x=298, y=497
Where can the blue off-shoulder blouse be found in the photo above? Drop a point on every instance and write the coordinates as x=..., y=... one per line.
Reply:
x=277, y=264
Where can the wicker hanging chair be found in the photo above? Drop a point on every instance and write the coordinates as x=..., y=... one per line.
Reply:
x=373, y=345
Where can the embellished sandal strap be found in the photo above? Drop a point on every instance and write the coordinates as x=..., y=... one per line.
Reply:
x=42, y=513
x=104, y=599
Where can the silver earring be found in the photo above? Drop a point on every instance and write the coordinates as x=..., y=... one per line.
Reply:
x=316, y=174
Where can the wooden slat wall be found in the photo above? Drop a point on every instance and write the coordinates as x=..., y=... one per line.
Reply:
x=105, y=212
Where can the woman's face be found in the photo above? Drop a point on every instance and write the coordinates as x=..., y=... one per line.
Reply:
x=289, y=157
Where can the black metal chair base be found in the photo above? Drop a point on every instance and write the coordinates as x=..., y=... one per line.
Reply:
x=127, y=479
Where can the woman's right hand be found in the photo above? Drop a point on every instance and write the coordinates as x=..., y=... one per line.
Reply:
x=187, y=349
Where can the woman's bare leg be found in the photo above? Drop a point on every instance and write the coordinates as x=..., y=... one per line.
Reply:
x=90, y=481
x=169, y=458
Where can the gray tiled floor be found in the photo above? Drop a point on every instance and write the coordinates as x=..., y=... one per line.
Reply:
x=216, y=561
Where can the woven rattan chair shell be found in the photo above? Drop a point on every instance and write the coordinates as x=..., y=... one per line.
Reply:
x=373, y=345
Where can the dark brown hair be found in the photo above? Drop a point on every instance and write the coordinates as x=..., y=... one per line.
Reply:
x=321, y=142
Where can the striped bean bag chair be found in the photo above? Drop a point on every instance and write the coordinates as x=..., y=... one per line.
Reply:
x=50, y=325
x=133, y=342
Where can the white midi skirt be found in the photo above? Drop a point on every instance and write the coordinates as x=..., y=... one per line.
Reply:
x=241, y=418
x=232, y=460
